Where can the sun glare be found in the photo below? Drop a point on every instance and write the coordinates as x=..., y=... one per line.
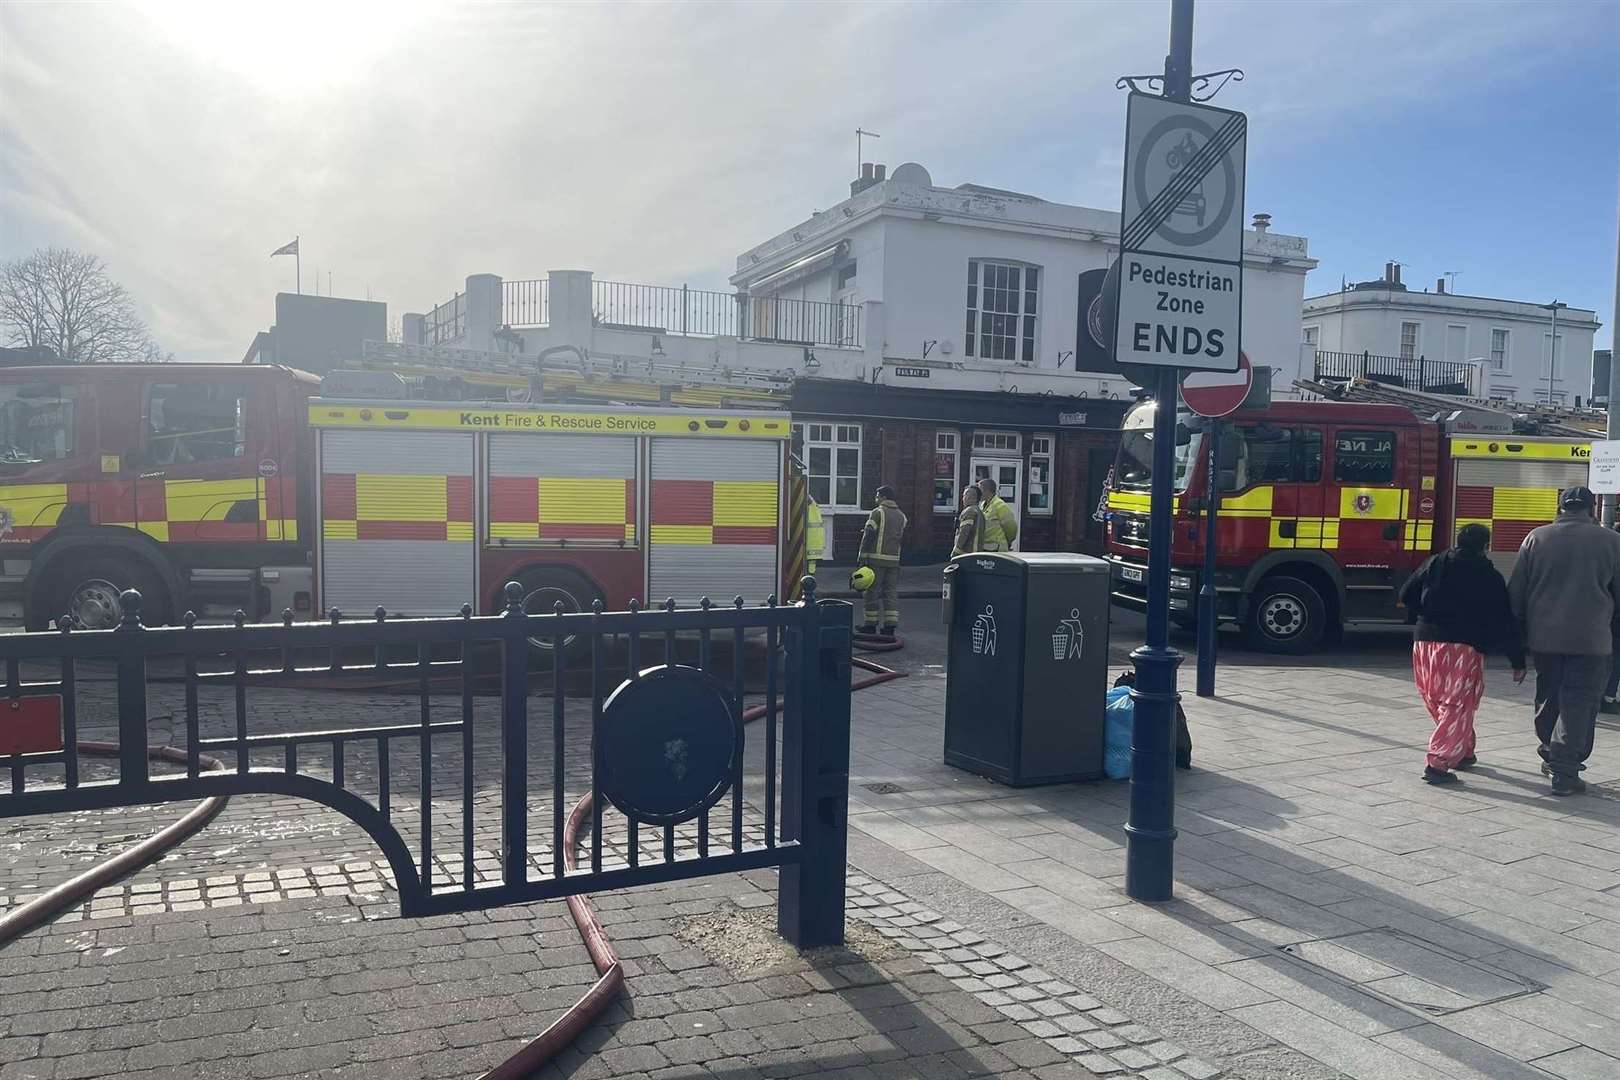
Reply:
x=289, y=47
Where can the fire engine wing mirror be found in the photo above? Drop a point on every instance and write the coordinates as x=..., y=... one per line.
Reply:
x=1183, y=435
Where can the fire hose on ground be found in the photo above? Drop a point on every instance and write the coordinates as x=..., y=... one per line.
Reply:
x=536, y=1053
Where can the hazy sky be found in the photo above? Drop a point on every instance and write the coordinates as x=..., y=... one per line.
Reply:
x=411, y=146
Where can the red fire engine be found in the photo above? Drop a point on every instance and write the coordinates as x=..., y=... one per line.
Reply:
x=213, y=488
x=1327, y=507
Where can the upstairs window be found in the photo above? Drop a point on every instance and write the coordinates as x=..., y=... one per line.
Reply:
x=1002, y=307
x=1409, y=340
x=1499, y=350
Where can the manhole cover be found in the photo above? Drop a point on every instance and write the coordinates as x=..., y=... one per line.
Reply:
x=1410, y=972
x=884, y=788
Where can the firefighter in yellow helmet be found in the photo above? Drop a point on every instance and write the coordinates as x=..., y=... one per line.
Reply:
x=880, y=550
x=1000, y=523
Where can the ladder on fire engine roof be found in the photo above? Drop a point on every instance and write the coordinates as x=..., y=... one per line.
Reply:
x=583, y=377
x=1521, y=419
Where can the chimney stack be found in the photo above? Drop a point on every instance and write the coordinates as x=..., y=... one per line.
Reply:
x=870, y=174
x=1397, y=268
x=1262, y=222
x=1440, y=285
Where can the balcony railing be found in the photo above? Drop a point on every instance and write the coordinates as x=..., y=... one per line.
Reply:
x=1415, y=373
x=666, y=309
x=447, y=323
x=526, y=303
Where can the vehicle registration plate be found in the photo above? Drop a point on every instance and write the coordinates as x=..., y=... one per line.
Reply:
x=1130, y=573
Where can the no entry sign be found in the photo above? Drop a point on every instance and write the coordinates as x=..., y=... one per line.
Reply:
x=1216, y=393
x=1181, y=236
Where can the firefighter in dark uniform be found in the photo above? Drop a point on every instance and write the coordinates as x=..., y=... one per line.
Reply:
x=880, y=550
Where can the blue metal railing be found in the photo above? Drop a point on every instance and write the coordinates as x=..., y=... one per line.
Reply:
x=790, y=812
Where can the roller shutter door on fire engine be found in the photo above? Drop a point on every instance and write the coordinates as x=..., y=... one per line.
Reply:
x=564, y=489
x=714, y=520
x=1511, y=497
x=397, y=522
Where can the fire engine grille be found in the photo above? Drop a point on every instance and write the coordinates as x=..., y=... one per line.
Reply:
x=1131, y=529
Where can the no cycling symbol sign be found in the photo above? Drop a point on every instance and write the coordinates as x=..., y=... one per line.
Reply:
x=1181, y=238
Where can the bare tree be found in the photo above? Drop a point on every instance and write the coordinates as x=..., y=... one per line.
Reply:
x=65, y=300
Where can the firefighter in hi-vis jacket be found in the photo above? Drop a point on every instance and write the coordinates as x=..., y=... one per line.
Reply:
x=880, y=550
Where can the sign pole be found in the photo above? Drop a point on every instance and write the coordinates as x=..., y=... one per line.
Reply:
x=1150, y=831
x=1206, y=590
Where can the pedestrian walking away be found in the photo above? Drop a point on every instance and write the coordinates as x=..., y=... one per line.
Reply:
x=969, y=524
x=1460, y=605
x=1000, y=523
x=880, y=550
x=1565, y=592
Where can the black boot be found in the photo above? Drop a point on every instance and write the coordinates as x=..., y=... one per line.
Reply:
x=886, y=631
x=868, y=629
x=1432, y=775
x=1567, y=785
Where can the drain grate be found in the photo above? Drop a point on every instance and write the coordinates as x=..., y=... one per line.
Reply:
x=1407, y=971
x=884, y=788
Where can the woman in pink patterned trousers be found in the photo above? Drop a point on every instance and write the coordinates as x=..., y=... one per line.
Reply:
x=1460, y=604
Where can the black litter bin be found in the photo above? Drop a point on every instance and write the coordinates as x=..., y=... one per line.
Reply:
x=1027, y=666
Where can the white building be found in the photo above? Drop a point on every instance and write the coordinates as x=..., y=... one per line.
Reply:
x=1476, y=345
x=983, y=287
x=928, y=336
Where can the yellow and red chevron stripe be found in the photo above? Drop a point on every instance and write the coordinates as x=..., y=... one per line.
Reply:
x=372, y=506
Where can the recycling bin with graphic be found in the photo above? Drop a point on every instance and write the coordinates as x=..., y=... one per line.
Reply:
x=1026, y=666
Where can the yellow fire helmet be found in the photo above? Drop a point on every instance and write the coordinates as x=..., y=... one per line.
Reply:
x=862, y=578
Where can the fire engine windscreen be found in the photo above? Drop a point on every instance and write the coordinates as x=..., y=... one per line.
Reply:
x=1135, y=468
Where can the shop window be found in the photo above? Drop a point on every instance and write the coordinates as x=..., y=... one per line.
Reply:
x=995, y=442
x=945, y=472
x=1040, y=474
x=832, y=459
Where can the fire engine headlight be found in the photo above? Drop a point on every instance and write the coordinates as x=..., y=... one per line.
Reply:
x=1181, y=581
x=1179, y=603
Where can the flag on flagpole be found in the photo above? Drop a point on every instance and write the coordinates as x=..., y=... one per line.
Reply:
x=286, y=249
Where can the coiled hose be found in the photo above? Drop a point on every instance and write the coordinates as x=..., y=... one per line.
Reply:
x=538, y=1051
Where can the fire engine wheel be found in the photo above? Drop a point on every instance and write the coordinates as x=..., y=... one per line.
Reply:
x=88, y=593
x=1286, y=615
x=543, y=590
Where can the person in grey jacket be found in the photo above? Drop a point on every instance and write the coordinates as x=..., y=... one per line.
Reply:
x=1565, y=592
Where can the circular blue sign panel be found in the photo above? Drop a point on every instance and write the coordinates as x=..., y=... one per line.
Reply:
x=667, y=744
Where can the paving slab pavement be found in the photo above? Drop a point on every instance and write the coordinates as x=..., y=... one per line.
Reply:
x=1334, y=916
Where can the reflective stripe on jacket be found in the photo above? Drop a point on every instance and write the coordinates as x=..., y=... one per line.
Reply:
x=1000, y=526
x=969, y=531
x=880, y=540
x=815, y=532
